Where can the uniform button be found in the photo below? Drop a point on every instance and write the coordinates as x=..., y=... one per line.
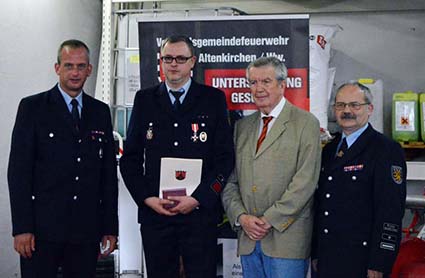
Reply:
x=75, y=197
x=325, y=231
x=176, y=124
x=364, y=243
x=78, y=159
x=51, y=135
x=100, y=139
x=254, y=188
x=327, y=195
x=79, y=140
x=329, y=178
x=150, y=124
x=77, y=178
x=354, y=178
x=33, y=197
x=176, y=144
x=326, y=213
x=203, y=124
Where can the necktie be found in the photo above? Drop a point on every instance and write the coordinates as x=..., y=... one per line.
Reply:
x=342, y=149
x=266, y=121
x=75, y=114
x=177, y=103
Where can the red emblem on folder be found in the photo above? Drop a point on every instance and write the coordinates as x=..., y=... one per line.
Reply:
x=180, y=175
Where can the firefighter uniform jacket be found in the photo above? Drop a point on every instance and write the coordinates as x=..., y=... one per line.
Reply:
x=156, y=131
x=360, y=205
x=62, y=181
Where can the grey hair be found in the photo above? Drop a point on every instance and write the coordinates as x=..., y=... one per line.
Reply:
x=279, y=67
x=365, y=90
x=72, y=44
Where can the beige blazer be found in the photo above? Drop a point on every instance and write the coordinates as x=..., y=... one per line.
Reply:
x=277, y=182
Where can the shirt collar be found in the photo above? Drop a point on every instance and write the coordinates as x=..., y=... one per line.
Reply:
x=353, y=136
x=276, y=111
x=68, y=98
x=185, y=87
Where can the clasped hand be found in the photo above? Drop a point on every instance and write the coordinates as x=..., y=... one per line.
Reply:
x=186, y=204
x=255, y=227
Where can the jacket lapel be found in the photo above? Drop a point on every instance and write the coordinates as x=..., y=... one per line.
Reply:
x=277, y=129
x=191, y=98
x=86, y=113
x=60, y=108
x=163, y=100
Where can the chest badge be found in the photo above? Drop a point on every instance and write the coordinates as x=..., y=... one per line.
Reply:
x=203, y=136
x=195, y=128
x=149, y=132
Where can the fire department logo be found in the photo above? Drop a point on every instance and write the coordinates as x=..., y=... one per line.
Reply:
x=180, y=175
x=397, y=174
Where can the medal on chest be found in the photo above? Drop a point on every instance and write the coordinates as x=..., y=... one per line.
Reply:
x=195, y=128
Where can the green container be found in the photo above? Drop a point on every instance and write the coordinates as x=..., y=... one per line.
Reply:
x=422, y=116
x=405, y=120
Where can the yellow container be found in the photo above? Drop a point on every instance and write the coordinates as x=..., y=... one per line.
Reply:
x=405, y=122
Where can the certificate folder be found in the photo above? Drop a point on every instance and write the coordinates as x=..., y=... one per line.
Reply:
x=178, y=174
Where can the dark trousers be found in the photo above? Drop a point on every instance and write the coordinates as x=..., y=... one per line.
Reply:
x=194, y=241
x=76, y=260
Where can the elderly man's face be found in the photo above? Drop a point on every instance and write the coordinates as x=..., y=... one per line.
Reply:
x=351, y=118
x=266, y=90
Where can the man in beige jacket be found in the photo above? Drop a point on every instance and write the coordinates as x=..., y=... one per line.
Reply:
x=269, y=196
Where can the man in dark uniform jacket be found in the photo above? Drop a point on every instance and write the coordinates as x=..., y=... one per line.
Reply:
x=178, y=118
x=62, y=175
x=361, y=195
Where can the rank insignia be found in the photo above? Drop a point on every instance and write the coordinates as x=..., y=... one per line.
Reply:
x=180, y=175
x=397, y=174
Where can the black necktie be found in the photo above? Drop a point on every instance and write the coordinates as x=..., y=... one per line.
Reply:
x=343, y=148
x=177, y=103
x=75, y=114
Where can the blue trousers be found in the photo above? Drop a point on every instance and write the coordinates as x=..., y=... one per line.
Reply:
x=259, y=265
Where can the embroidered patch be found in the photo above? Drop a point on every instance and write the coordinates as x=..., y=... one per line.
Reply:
x=387, y=246
x=397, y=174
x=389, y=237
x=216, y=186
x=390, y=227
x=353, y=168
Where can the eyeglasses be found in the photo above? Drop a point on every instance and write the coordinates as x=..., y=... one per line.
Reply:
x=179, y=59
x=351, y=105
x=79, y=67
x=264, y=82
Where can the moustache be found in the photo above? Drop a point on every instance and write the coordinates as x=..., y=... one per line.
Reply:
x=348, y=116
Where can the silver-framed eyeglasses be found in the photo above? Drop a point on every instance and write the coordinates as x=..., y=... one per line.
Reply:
x=352, y=105
x=179, y=59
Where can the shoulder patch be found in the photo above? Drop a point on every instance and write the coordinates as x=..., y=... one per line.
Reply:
x=397, y=174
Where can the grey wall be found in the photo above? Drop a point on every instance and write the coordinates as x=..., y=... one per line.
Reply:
x=379, y=45
x=30, y=33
